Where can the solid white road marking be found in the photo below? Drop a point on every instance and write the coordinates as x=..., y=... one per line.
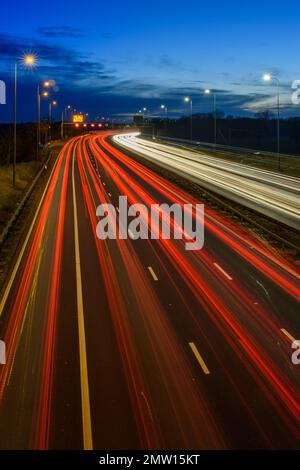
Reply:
x=199, y=358
x=222, y=271
x=152, y=273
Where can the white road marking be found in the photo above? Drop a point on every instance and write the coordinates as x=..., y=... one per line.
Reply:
x=222, y=271
x=286, y=333
x=109, y=194
x=199, y=358
x=263, y=287
x=152, y=273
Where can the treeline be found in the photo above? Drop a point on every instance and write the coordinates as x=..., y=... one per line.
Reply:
x=257, y=133
x=26, y=140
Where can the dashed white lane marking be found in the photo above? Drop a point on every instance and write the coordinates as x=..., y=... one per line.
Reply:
x=199, y=358
x=263, y=288
x=287, y=334
x=147, y=405
x=222, y=271
x=152, y=273
x=109, y=194
x=104, y=184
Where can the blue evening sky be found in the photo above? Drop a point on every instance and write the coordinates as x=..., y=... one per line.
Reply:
x=112, y=58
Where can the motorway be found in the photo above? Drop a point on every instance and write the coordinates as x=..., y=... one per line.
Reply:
x=129, y=344
x=268, y=193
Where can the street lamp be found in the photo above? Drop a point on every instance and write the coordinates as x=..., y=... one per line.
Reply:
x=28, y=60
x=267, y=77
x=187, y=99
x=52, y=103
x=45, y=94
x=64, y=114
x=163, y=106
x=207, y=91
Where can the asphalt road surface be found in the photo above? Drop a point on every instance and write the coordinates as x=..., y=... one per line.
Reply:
x=269, y=193
x=129, y=344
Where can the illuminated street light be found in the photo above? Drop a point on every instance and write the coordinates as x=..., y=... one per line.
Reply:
x=207, y=91
x=44, y=94
x=164, y=107
x=29, y=61
x=267, y=77
x=187, y=99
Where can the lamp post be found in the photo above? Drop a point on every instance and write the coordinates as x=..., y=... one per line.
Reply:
x=29, y=60
x=63, y=115
x=45, y=94
x=187, y=99
x=207, y=91
x=268, y=78
x=164, y=107
x=15, y=125
x=51, y=103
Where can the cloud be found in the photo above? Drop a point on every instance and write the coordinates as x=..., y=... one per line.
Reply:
x=60, y=32
x=93, y=86
x=59, y=62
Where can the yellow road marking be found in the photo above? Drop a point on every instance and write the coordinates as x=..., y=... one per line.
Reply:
x=199, y=358
x=152, y=273
x=85, y=394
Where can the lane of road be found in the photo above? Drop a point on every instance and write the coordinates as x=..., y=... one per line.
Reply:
x=140, y=343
